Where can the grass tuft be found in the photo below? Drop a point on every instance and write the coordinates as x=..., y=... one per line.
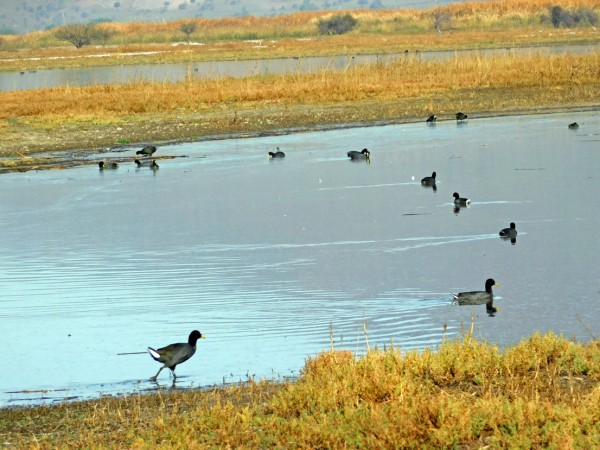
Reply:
x=542, y=393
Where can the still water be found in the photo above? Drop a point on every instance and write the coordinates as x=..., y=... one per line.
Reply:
x=264, y=256
x=14, y=81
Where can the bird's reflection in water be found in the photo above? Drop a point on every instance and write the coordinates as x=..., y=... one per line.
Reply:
x=513, y=240
x=491, y=309
x=427, y=186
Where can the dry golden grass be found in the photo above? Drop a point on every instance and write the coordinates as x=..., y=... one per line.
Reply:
x=406, y=78
x=542, y=393
x=407, y=90
x=473, y=25
x=99, y=116
x=348, y=44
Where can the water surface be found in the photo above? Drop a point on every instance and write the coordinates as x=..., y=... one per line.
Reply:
x=264, y=256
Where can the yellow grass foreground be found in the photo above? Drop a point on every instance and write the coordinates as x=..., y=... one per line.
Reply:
x=542, y=393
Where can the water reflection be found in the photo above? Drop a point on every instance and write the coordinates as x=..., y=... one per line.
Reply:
x=513, y=240
x=429, y=182
x=431, y=186
x=491, y=309
x=264, y=257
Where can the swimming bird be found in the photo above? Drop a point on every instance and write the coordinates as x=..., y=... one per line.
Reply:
x=573, y=126
x=431, y=119
x=460, y=116
x=146, y=163
x=429, y=181
x=148, y=150
x=277, y=154
x=364, y=154
x=460, y=201
x=112, y=165
x=476, y=297
x=509, y=232
x=175, y=354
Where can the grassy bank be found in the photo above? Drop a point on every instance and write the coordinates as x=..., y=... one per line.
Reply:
x=462, y=25
x=542, y=393
x=90, y=118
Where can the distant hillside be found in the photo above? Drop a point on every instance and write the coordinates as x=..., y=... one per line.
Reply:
x=30, y=15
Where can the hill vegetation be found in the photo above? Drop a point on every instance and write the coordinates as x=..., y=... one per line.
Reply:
x=35, y=15
x=510, y=22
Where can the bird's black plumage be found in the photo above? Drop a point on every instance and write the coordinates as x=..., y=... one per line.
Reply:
x=175, y=354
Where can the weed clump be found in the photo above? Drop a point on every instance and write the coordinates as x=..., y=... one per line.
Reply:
x=583, y=16
x=541, y=393
x=339, y=24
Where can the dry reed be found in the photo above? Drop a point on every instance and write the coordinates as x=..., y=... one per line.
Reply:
x=406, y=78
x=541, y=393
x=405, y=90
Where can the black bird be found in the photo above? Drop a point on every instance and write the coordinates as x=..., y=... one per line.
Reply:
x=509, y=232
x=148, y=150
x=175, y=354
x=431, y=119
x=460, y=116
x=146, y=163
x=277, y=154
x=364, y=154
x=460, y=201
x=476, y=297
x=573, y=126
x=429, y=181
x=103, y=166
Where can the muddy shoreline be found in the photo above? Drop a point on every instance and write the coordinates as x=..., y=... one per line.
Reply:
x=59, y=149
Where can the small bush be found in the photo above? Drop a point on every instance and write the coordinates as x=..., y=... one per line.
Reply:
x=586, y=16
x=582, y=16
x=441, y=19
x=77, y=34
x=188, y=28
x=339, y=24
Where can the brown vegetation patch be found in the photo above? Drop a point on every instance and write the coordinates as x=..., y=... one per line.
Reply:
x=91, y=119
x=542, y=393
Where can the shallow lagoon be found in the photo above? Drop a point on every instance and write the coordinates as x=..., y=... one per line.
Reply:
x=263, y=256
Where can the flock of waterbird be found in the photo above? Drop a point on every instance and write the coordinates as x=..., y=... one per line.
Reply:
x=147, y=151
x=174, y=354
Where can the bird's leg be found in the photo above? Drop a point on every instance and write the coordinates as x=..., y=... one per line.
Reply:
x=157, y=373
x=174, y=376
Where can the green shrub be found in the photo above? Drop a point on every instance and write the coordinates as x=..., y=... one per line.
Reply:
x=338, y=24
x=568, y=19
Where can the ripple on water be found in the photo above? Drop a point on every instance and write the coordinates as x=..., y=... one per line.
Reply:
x=265, y=258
